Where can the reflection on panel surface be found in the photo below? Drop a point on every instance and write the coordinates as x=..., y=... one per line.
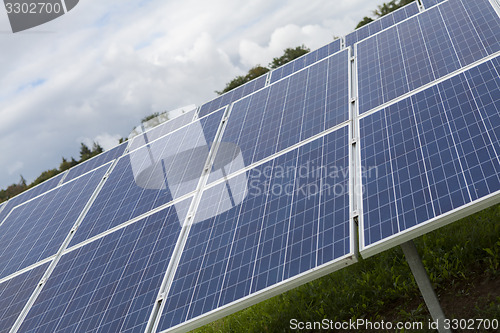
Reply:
x=157, y=132
x=434, y=152
x=151, y=176
x=265, y=226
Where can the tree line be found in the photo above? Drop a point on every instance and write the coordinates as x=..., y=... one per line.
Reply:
x=85, y=154
x=290, y=54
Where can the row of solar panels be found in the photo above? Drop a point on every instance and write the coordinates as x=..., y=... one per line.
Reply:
x=259, y=196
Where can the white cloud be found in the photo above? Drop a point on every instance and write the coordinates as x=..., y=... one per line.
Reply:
x=96, y=71
x=290, y=35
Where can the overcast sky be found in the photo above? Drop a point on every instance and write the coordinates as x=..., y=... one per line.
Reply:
x=92, y=74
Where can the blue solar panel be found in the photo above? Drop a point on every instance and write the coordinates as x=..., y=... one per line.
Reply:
x=275, y=211
x=434, y=152
x=96, y=162
x=426, y=47
x=232, y=96
x=286, y=113
x=36, y=229
x=290, y=215
x=30, y=194
x=382, y=23
x=151, y=176
x=161, y=130
x=110, y=284
x=14, y=294
x=430, y=3
x=306, y=60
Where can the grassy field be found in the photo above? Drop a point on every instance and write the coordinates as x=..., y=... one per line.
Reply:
x=462, y=260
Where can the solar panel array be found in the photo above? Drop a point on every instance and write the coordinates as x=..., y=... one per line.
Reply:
x=397, y=126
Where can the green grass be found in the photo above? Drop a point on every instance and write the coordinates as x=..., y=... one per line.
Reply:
x=459, y=258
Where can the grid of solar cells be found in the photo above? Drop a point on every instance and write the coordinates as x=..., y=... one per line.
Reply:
x=14, y=294
x=95, y=162
x=161, y=130
x=30, y=194
x=434, y=152
x=110, y=284
x=382, y=23
x=151, y=176
x=430, y=3
x=293, y=217
x=304, y=61
x=36, y=229
x=437, y=42
x=232, y=96
x=287, y=112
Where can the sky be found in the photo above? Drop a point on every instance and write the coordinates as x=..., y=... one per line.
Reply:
x=95, y=72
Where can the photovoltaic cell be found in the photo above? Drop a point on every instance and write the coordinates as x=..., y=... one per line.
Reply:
x=434, y=152
x=442, y=40
x=292, y=216
x=232, y=96
x=95, y=162
x=286, y=113
x=110, y=284
x=382, y=23
x=430, y=3
x=151, y=176
x=276, y=210
x=304, y=61
x=14, y=294
x=36, y=229
x=161, y=130
x=30, y=194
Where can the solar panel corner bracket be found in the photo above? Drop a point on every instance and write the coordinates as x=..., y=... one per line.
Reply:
x=42, y=282
x=161, y=297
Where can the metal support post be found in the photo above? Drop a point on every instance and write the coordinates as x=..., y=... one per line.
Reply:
x=424, y=284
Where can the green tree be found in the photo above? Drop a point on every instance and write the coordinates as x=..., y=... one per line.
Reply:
x=386, y=8
x=44, y=176
x=289, y=54
x=253, y=73
x=151, y=116
x=85, y=152
x=65, y=164
x=364, y=21
x=96, y=149
x=383, y=10
x=13, y=190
